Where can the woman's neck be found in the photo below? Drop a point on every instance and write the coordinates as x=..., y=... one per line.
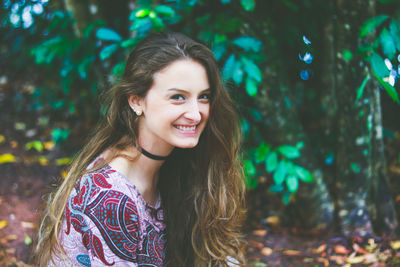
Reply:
x=140, y=170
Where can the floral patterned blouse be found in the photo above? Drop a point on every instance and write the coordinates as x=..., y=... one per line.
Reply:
x=108, y=223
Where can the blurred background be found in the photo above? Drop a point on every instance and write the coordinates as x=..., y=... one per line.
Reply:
x=315, y=83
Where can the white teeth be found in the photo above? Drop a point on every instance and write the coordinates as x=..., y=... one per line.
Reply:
x=183, y=128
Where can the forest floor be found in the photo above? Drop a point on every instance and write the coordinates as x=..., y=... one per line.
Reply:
x=22, y=191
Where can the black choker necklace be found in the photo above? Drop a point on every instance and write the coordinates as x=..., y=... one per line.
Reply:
x=152, y=156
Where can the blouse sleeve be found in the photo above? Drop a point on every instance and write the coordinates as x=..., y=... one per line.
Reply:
x=93, y=231
x=76, y=254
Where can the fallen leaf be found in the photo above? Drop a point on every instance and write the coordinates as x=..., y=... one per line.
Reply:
x=359, y=249
x=2, y=139
x=256, y=244
x=63, y=161
x=3, y=224
x=260, y=232
x=43, y=161
x=64, y=174
x=324, y=261
x=319, y=250
x=28, y=225
x=10, y=250
x=259, y=264
x=266, y=251
x=341, y=250
x=395, y=244
x=308, y=260
x=291, y=252
x=27, y=240
x=7, y=158
x=49, y=145
x=338, y=259
x=8, y=238
x=356, y=259
x=273, y=220
x=14, y=144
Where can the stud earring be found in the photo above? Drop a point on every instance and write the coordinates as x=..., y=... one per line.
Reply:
x=138, y=112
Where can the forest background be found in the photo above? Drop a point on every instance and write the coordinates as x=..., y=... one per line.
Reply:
x=315, y=83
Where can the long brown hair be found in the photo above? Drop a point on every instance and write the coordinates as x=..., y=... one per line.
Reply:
x=202, y=189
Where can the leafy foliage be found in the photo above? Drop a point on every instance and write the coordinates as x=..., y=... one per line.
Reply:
x=250, y=40
x=388, y=41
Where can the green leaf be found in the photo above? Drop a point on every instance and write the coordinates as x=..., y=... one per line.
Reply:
x=379, y=66
x=292, y=183
x=251, y=87
x=142, y=24
x=347, y=55
x=304, y=174
x=219, y=51
x=248, y=43
x=251, y=69
x=225, y=1
x=280, y=173
x=118, y=69
x=290, y=152
x=271, y=162
x=289, y=167
x=251, y=182
x=237, y=74
x=300, y=145
x=225, y=23
x=34, y=144
x=360, y=90
x=389, y=1
x=63, y=161
x=372, y=24
x=389, y=89
x=249, y=168
x=84, y=66
x=227, y=71
x=387, y=43
x=394, y=28
x=141, y=13
x=164, y=10
x=130, y=42
x=286, y=198
x=157, y=23
x=59, y=135
x=276, y=188
x=107, y=51
x=355, y=167
x=27, y=240
x=261, y=152
x=107, y=34
x=248, y=5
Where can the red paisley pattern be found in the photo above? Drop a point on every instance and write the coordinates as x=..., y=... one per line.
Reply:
x=116, y=216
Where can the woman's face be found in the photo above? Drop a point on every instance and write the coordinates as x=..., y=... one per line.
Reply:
x=176, y=107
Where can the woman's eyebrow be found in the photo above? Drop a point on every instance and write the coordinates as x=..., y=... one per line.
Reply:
x=184, y=91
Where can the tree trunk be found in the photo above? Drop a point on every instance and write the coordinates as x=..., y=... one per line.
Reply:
x=80, y=12
x=360, y=159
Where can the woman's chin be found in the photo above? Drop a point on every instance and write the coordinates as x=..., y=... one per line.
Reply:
x=187, y=144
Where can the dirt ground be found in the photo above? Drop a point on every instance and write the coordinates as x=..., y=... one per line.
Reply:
x=22, y=192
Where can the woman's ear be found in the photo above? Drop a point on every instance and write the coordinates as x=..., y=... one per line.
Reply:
x=136, y=104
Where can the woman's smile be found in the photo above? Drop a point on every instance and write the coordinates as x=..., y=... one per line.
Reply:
x=187, y=129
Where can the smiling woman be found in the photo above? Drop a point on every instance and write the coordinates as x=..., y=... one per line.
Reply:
x=159, y=183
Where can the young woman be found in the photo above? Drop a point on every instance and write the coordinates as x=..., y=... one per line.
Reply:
x=159, y=183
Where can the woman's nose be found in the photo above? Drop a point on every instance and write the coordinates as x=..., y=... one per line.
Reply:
x=193, y=112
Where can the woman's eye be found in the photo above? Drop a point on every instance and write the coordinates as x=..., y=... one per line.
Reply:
x=205, y=97
x=177, y=97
